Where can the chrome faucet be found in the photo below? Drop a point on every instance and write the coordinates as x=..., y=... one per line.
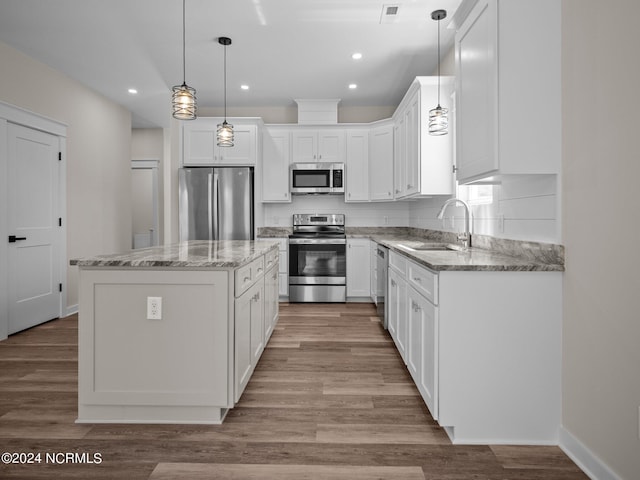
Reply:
x=465, y=236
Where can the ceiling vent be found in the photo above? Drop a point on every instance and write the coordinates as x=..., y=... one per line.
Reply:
x=389, y=13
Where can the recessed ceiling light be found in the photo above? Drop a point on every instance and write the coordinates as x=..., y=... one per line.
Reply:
x=356, y=56
x=132, y=91
x=353, y=86
x=244, y=87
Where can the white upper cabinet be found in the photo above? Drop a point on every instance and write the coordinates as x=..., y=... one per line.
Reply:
x=275, y=165
x=423, y=163
x=200, y=146
x=381, y=163
x=357, y=166
x=318, y=145
x=507, y=56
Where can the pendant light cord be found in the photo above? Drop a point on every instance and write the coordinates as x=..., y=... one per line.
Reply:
x=438, y=62
x=225, y=84
x=184, y=61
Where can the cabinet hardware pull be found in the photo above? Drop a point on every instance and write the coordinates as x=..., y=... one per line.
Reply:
x=393, y=284
x=417, y=279
x=13, y=238
x=246, y=279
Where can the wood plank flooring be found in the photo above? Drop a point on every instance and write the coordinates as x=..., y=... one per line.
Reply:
x=330, y=399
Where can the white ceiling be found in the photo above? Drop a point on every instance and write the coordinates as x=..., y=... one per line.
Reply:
x=282, y=49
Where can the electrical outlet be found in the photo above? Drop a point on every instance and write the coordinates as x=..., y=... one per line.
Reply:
x=386, y=220
x=276, y=220
x=154, y=308
x=501, y=223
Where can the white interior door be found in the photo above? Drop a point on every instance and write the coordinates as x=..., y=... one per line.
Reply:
x=144, y=194
x=33, y=211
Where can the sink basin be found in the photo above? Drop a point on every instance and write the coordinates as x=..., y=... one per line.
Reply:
x=433, y=247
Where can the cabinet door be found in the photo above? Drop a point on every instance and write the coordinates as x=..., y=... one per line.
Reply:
x=357, y=175
x=304, y=146
x=412, y=146
x=358, y=273
x=331, y=146
x=392, y=305
x=270, y=302
x=414, y=346
x=275, y=166
x=381, y=163
x=242, y=343
x=476, y=92
x=243, y=151
x=257, y=323
x=399, y=160
x=403, y=317
x=199, y=143
x=423, y=348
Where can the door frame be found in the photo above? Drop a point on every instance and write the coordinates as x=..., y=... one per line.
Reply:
x=153, y=165
x=19, y=116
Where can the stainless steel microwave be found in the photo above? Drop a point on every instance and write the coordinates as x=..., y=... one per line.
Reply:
x=317, y=178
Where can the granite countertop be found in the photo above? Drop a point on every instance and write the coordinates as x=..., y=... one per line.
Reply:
x=195, y=253
x=471, y=259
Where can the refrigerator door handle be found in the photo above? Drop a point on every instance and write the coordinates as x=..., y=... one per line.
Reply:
x=209, y=196
x=216, y=206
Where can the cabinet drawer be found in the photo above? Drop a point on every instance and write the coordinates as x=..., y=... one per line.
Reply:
x=398, y=262
x=270, y=259
x=247, y=274
x=423, y=280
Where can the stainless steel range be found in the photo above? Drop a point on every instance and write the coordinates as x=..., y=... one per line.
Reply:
x=317, y=258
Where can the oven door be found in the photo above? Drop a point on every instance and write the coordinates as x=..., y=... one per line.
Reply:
x=317, y=261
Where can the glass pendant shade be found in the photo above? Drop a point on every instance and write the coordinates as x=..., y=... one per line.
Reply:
x=183, y=101
x=225, y=134
x=438, y=121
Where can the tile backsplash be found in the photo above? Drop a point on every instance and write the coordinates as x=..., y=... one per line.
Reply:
x=520, y=208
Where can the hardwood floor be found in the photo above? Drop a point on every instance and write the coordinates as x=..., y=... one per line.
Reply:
x=330, y=399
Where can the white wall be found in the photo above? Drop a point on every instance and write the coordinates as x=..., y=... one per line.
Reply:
x=98, y=160
x=601, y=168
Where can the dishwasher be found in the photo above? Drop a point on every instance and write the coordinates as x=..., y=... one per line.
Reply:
x=381, y=287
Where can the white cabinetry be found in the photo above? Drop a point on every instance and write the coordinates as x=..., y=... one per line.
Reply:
x=276, y=157
x=423, y=163
x=271, y=305
x=483, y=348
x=357, y=166
x=358, y=273
x=318, y=145
x=249, y=335
x=200, y=146
x=507, y=89
x=398, y=313
x=381, y=163
x=283, y=268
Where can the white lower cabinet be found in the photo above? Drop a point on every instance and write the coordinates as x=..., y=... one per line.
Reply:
x=249, y=334
x=358, y=267
x=271, y=306
x=483, y=348
x=422, y=359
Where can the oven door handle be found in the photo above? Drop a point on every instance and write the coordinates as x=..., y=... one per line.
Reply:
x=317, y=241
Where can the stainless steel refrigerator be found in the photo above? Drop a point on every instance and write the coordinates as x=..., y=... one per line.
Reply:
x=216, y=203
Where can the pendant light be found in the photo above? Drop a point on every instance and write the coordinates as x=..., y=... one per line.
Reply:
x=225, y=130
x=438, y=121
x=183, y=99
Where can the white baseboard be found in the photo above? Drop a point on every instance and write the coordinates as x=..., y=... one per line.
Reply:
x=70, y=310
x=588, y=462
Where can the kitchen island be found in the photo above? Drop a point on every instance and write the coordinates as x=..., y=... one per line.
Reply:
x=172, y=334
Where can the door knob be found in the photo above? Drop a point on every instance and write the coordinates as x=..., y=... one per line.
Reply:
x=13, y=238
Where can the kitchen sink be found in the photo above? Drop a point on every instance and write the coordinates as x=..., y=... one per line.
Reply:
x=434, y=247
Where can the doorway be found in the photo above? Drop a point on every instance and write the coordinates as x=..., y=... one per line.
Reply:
x=144, y=194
